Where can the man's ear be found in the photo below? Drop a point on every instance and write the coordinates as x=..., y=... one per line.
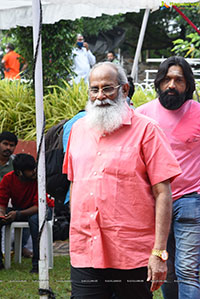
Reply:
x=18, y=172
x=125, y=89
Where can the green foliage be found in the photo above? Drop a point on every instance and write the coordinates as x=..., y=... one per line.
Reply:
x=17, y=106
x=188, y=43
x=192, y=12
x=92, y=26
x=141, y=96
x=158, y=26
x=57, y=43
x=189, y=47
x=166, y=24
x=63, y=103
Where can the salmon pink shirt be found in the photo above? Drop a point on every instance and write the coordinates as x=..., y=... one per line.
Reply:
x=182, y=128
x=112, y=205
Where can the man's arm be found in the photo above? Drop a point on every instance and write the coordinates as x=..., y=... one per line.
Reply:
x=91, y=57
x=2, y=215
x=2, y=210
x=157, y=269
x=3, y=65
x=16, y=215
x=25, y=65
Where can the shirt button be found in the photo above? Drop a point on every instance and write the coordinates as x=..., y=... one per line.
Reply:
x=95, y=173
x=91, y=215
x=99, y=153
x=95, y=237
x=103, y=135
x=91, y=193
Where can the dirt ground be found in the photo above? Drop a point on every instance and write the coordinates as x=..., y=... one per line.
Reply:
x=61, y=248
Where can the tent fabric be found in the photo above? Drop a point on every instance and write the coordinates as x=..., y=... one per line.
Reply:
x=19, y=12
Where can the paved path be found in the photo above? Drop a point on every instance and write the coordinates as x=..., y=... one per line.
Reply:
x=61, y=248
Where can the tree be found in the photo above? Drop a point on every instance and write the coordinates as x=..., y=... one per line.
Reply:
x=188, y=45
x=57, y=43
x=92, y=26
x=159, y=35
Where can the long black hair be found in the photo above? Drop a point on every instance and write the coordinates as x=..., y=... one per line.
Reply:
x=187, y=72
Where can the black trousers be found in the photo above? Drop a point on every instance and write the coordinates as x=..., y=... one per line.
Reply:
x=90, y=283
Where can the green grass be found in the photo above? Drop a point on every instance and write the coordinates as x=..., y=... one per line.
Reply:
x=17, y=282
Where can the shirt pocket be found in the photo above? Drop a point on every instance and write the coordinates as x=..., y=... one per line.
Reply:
x=121, y=161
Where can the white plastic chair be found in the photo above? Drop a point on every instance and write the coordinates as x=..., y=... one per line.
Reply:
x=18, y=228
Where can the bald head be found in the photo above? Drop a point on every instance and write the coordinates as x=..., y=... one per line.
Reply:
x=110, y=76
x=104, y=74
x=112, y=69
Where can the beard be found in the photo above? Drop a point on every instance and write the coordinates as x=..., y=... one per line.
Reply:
x=26, y=178
x=7, y=153
x=171, y=102
x=106, y=115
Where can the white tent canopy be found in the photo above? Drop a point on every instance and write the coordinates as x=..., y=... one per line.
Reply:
x=19, y=12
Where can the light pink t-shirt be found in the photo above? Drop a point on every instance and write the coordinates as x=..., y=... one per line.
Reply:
x=182, y=128
x=112, y=205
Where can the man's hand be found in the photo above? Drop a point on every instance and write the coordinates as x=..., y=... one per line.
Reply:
x=157, y=272
x=11, y=216
x=2, y=215
x=2, y=220
x=86, y=46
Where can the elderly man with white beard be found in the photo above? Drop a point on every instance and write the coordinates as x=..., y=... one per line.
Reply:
x=120, y=165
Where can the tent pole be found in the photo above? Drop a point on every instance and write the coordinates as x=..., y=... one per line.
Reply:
x=139, y=44
x=43, y=263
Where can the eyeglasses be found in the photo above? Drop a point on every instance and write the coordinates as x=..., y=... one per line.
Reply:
x=107, y=90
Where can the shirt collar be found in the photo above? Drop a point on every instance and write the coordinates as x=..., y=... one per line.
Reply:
x=128, y=117
x=9, y=161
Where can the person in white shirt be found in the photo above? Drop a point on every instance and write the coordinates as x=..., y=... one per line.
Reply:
x=83, y=60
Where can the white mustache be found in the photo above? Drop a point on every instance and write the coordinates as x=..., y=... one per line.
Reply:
x=103, y=102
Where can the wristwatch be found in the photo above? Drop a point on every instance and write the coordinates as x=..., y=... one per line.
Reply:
x=163, y=254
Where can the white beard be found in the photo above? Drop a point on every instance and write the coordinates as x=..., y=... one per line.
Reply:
x=106, y=118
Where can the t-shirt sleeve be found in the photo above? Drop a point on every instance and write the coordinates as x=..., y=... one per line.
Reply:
x=35, y=199
x=5, y=58
x=67, y=164
x=160, y=161
x=5, y=191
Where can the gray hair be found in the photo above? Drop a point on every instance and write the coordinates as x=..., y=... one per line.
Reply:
x=121, y=75
x=79, y=35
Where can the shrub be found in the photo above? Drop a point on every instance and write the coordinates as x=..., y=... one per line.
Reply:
x=17, y=105
x=142, y=96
